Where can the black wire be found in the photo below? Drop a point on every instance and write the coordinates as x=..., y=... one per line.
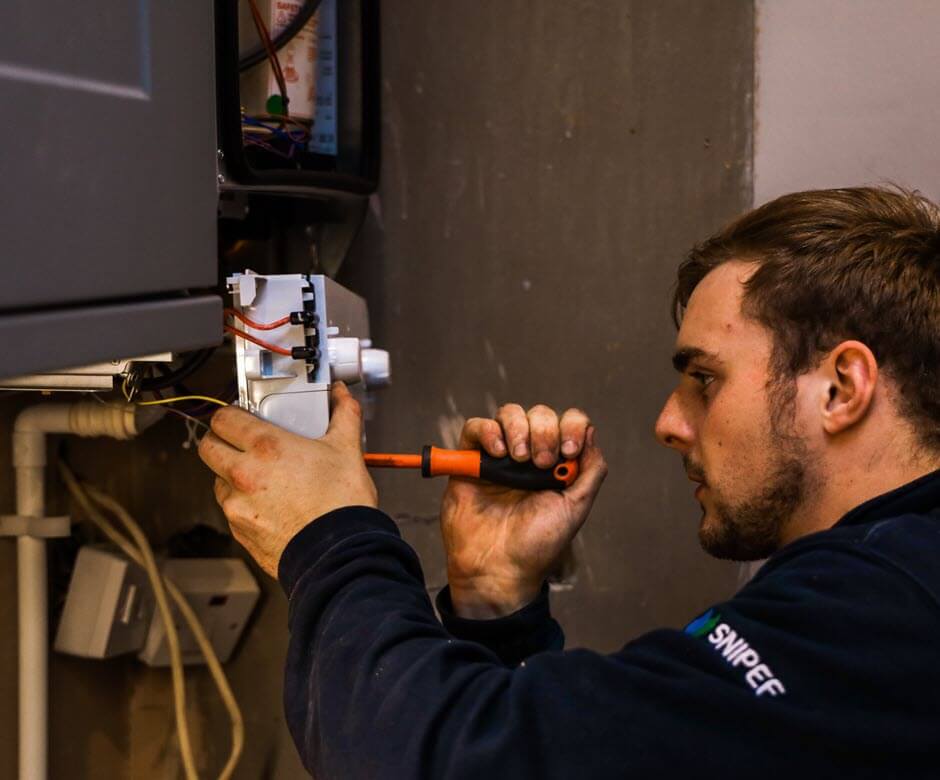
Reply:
x=284, y=37
x=192, y=363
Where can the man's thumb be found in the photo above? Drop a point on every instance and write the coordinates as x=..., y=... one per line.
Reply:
x=345, y=416
x=593, y=471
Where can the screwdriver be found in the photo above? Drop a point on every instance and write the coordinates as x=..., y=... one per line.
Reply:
x=437, y=462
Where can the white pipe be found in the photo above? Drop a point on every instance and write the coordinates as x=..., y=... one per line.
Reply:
x=29, y=460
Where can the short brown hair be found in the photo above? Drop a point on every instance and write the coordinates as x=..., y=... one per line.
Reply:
x=857, y=263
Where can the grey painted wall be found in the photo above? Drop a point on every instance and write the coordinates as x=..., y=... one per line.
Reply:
x=545, y=167
x=846, y=95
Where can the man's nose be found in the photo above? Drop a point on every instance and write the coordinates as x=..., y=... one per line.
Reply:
x=672, y=427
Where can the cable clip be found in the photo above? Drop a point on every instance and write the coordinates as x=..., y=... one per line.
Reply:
x=37, y=527
x=307, y=318
x=305, y=353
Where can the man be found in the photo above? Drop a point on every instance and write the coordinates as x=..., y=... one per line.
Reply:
x=808, y=413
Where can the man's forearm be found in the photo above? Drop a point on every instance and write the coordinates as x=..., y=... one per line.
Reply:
x=376, y=687
x=369, y=666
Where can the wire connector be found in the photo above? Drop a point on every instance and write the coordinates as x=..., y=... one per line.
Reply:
x=305, y=353
x=309, y=319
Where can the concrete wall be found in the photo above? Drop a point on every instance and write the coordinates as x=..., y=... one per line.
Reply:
x=846, y=95
x=545, y=167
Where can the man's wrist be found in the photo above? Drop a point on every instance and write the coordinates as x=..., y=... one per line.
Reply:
x=487, y=599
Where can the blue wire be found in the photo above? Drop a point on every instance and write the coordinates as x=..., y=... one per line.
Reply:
x=276, y=130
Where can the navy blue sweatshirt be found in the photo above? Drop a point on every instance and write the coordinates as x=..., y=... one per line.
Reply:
x=826, y=664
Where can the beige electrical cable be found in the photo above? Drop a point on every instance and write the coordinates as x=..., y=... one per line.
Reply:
x=143, y=556
x=205, y=646
x=139, y=551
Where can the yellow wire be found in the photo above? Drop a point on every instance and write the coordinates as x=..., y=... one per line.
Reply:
x=183, y=398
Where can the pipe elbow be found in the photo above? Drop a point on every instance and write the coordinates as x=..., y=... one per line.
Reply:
x=84, y=418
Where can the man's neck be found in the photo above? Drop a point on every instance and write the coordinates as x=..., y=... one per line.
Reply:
x=839, y=490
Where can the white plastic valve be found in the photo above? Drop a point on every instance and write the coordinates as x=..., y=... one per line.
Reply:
x=345, y=360
x=376, y=368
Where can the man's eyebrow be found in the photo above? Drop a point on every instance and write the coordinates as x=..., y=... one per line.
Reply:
x=682, y=357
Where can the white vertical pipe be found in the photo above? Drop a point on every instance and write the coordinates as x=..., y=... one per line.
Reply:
x=29, y=461
x=33, y=630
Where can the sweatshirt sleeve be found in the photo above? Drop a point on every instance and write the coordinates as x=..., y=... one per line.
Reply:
x=376, y=687
x=513, y=638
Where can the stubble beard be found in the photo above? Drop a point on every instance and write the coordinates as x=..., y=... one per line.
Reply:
x=750, y=528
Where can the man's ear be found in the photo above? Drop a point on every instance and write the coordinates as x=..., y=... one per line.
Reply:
x=852, y=373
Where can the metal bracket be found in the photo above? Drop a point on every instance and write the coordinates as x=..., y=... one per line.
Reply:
x=37, y=527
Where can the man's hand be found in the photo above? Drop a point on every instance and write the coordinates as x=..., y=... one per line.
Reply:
x=502, y=543
x=271, y=482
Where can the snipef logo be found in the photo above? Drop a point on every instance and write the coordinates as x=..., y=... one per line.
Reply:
x=738, y=652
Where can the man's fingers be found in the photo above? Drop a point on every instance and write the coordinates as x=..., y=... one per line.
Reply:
x=236, y=426
x=345, y=416
x=222, y=490
x=573, y=425
x=218, y=455
x=593, y=470
x=512, y=418
x=482, y=433
x=543, y=435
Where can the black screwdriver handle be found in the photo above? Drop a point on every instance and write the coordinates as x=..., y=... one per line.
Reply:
x=526, y=475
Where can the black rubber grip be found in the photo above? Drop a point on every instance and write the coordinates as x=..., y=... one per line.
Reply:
x=524, y=476
x=426, y=461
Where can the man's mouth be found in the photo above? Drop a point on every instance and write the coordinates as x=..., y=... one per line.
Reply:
x=696, y=474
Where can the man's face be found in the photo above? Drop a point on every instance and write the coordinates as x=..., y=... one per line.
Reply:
x=735, y=429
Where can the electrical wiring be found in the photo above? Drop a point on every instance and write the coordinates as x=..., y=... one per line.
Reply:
x=199, y=410
x=143, y=555
x=190, y=365
x=205, y=398
x=259, y=342
x=270, y=52
x=138, y=549
x=268, y=148
x=284, y=37
x=189, y=418
x=255, y=131
x=257, y=325
x=302, y=125
x=229, y=395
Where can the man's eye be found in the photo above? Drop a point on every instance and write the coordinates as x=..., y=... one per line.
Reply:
x=703, y=379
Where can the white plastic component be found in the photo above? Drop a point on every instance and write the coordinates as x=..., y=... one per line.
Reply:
x=345, y=362
x=302, y=387
x=294, y=393
x=99, y=376
x=222, y=593
x=351, y=362
x=376, y=368
x=108, y=606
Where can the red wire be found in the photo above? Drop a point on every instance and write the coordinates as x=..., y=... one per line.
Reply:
x=259, y=342
x=257, y=325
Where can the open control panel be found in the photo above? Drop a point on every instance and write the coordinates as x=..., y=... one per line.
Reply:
x=295, y=335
